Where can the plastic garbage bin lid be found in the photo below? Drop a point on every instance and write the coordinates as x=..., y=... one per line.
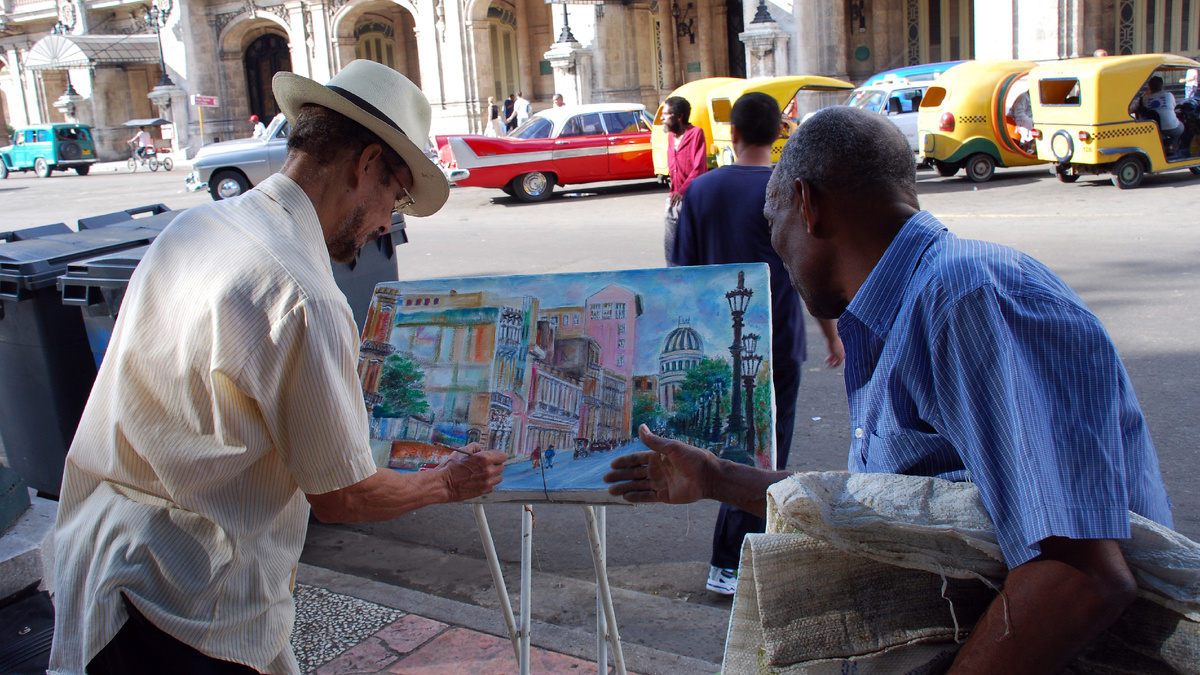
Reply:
x=84, y=279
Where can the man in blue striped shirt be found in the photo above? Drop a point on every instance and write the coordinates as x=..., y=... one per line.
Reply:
x=964, y=360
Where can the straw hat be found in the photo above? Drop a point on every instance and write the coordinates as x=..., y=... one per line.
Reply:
x=385, y=102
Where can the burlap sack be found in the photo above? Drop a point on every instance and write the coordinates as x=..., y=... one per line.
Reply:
x=889, y=570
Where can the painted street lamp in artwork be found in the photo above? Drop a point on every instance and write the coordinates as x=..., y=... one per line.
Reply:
x=751, y=361
x=738, y=299
x=157, y=17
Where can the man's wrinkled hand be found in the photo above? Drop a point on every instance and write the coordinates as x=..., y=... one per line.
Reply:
x=670, y=472
x=473, y=474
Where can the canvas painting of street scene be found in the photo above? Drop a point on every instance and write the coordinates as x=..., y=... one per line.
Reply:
x=560, y=370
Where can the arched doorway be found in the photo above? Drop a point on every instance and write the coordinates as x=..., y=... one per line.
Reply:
x=502, y=33
x=265, y=56
x=734, y=25
x=386, y=36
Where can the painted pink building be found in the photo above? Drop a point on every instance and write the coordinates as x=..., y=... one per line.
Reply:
x=610, y=318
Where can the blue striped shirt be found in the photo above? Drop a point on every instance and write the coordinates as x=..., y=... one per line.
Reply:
x=967, y=360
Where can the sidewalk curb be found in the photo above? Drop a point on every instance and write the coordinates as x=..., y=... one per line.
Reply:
x=572, y=642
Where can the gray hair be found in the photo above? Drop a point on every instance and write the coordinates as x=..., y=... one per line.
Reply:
x=848, y=151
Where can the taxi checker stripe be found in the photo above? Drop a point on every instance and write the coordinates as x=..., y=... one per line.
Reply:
x=470, y=160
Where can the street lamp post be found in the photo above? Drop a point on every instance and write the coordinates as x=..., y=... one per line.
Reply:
x=751, y=361
x=715, y=435
x=157, y=16
x=738, y=299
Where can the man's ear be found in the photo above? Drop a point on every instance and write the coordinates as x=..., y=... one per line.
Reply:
x=810, y=211
x=362, y=166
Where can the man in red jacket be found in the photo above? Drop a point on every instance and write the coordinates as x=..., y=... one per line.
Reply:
x=687, y=157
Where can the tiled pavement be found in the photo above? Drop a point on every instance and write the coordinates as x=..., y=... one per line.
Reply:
x=352, y=626
x=336, y=634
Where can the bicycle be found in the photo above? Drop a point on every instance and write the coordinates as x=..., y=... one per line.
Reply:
x=148, y=158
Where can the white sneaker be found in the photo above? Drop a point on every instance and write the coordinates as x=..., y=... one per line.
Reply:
x=722, y=580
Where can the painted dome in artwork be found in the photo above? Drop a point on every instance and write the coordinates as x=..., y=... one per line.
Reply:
x=683, y=339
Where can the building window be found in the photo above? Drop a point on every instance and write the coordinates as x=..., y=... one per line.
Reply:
x=376, y=43
x=575, y=319
x=620, y=306
x=620, y=360
x=608, y=310
x=595, y=312
x=621, y=343
x=620, y=329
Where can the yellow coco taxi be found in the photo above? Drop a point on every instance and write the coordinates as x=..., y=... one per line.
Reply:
x=795, y=93
x=975, y=117
x=1095, y=116
x=696, y=93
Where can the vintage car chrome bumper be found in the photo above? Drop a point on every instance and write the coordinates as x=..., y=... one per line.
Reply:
x=453, y=175
x=193, y=182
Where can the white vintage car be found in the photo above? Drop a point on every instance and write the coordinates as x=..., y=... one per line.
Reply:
x=230, y=168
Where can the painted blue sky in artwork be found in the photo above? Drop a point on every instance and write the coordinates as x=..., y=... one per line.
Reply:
x=668, y=294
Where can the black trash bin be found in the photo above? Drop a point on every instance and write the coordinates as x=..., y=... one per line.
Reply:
x=97, y=286
x=376, y=263
x=46, y=364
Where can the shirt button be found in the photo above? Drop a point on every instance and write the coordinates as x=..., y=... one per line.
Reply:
x=858, y=433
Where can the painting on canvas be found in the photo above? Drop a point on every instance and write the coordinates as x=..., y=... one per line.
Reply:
x=559, y=371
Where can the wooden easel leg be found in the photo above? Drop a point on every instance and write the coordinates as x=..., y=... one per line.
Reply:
x=601, y=621
x=598, y=555
x=489, y=549
x=526, y=584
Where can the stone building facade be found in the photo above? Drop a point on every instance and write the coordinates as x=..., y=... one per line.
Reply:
x=462, y=51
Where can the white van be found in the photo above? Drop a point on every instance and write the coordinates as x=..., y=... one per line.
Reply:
x=897, y=99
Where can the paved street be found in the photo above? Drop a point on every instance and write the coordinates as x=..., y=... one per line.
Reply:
x=1134, y=256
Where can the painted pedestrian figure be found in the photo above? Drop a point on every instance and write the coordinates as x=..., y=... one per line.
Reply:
x=550, y=457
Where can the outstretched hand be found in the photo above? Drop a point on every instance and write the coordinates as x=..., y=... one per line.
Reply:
x=670, y=472
x=473, y=474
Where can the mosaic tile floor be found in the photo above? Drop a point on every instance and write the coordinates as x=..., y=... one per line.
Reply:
x=328, y=624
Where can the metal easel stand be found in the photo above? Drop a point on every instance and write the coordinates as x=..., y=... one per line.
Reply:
x=606, y=620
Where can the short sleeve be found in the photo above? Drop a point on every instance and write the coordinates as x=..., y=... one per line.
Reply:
x=1029, y=392
x=306, y=386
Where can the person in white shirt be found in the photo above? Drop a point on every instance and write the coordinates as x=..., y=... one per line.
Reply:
x=259, y=128
x=521, y=109
x=1162, y=103
x=143, y=142
x=228, y=405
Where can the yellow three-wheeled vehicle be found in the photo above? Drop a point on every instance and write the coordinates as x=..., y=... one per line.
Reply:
x=1128, y=115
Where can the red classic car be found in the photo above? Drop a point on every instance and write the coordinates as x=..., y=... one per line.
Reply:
x=572, y=144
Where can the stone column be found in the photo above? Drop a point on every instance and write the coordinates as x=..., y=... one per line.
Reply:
x=526, y=56
x=767, y=48
x=322, y=68
x=572, y=65
x=477, y=32
x=171, y=100
x=17, y=109
x=666, y=24
x=704, y=36
x=301, y=40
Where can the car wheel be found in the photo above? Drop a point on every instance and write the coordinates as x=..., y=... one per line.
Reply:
x=534, y=186
x=945, y=169
x=980, y=167
x=226, y=184
x=167, y=164
x=83, y=170
x=507, y=189
x=41, y=168
x=1194, y=169
x=3, y=170
x=1128, y=172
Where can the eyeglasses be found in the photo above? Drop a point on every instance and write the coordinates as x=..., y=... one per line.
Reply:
x=404, y=202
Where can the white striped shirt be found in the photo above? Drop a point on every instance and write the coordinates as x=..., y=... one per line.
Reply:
x=228, y=390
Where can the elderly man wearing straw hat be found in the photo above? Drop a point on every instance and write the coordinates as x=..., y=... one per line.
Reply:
x=228, y=404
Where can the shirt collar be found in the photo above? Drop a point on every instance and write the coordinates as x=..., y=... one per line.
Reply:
x=878, y=299
x=292, y=198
